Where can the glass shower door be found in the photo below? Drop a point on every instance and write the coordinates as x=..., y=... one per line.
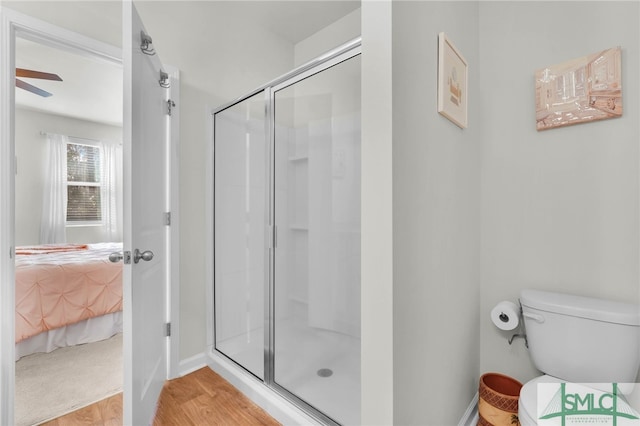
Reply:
x=240, y=227
x=316, y=284
x=287, y=236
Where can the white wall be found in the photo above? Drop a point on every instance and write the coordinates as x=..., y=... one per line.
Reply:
x=100, y=19
x=330, y=37
x=31, y=152
x=480, y=214
x=436, y=226
x=377, y=233
x=559, y=207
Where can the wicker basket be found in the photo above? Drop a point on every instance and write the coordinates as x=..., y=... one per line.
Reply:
x=498, y=400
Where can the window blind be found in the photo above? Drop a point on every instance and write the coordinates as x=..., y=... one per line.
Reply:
x=84, y=179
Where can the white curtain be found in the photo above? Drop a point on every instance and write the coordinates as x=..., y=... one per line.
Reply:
x=111, y=199
x=54, y=202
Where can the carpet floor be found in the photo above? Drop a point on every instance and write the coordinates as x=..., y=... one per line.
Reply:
x=51, y=385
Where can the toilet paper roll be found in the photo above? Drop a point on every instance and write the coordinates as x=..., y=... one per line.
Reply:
x=505, y=315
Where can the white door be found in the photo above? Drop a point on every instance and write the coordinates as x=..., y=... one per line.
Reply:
x=145, y=275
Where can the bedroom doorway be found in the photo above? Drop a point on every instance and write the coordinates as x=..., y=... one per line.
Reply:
x=14, y=25
x=68, y=296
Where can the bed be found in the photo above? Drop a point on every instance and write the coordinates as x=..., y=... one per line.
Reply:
x=66, y=295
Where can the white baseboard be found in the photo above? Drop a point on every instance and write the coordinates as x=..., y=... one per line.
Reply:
x=192, y=364
x=470, y=417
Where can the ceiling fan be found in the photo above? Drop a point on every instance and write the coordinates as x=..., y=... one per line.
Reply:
x=21, y=72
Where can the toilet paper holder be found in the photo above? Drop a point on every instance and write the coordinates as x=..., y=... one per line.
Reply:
x=523, y=334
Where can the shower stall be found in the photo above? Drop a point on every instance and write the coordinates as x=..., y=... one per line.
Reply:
x=286, y=267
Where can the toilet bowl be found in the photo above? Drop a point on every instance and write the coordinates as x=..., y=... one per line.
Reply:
x=528, y=402
x=589, y=342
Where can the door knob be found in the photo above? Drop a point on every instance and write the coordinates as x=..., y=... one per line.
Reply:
x=146, y=255
x=115, y=257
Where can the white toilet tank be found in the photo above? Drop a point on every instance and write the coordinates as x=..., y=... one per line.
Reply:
x=582, y=339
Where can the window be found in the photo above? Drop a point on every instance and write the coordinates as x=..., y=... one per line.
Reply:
x=84, y=179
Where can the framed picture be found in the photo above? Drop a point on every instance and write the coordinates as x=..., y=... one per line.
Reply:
x=452, y=82
x=581, y=90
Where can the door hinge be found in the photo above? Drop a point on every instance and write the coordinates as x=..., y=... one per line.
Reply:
x=164, y=80
x=168, y=329
x=146, y=44
x=170, y=105
x=167, y=218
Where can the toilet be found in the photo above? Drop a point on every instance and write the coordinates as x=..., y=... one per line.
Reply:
x=575, y=339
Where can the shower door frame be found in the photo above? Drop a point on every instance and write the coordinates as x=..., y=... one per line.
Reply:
x=247, y=379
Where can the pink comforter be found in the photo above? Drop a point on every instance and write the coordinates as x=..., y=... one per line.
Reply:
x=62, y=287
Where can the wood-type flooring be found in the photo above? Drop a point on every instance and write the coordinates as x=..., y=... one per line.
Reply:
x=201, y=398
